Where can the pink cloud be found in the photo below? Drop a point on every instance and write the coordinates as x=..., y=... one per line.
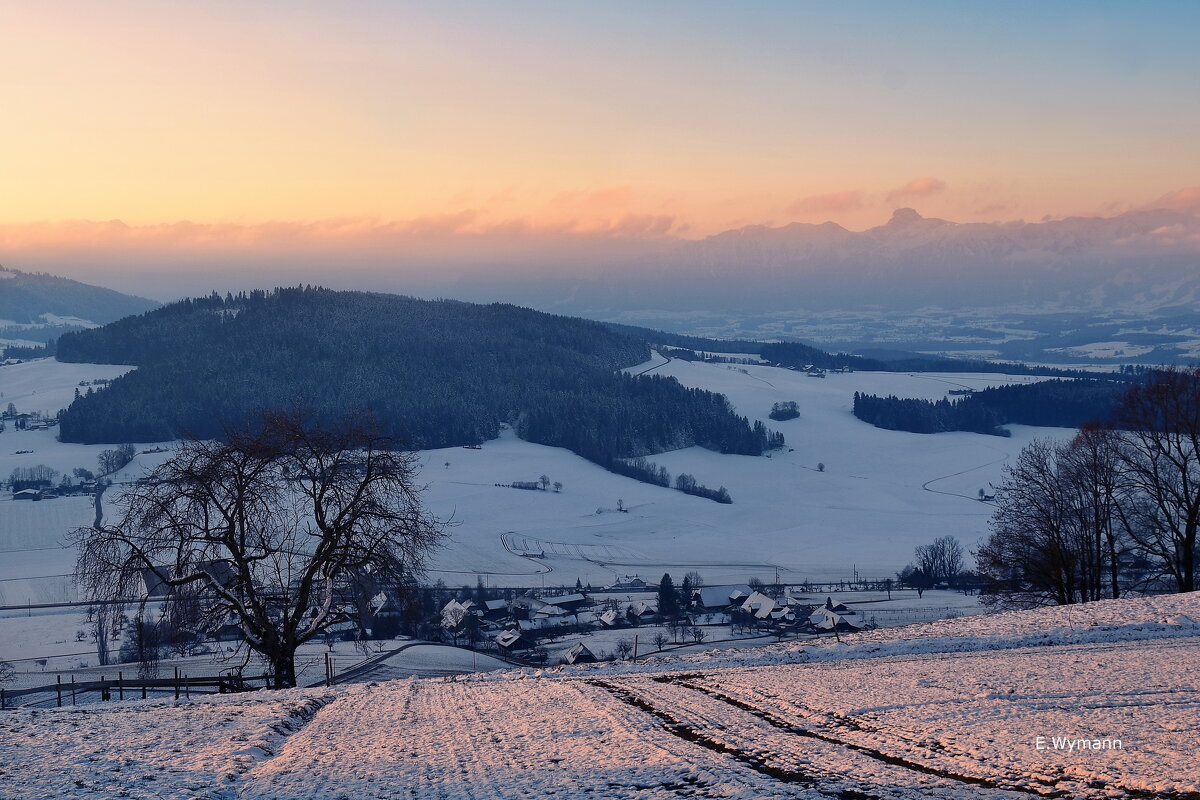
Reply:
x=1186, y=199
x=918, y=187
x=832, y=203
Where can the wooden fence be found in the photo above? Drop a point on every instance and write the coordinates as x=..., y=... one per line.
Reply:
x=180, y=684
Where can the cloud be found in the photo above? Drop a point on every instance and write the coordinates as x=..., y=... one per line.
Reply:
x=1186, y=199
x=918, y=187
x=832, y=203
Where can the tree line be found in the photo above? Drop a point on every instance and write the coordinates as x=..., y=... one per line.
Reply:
x=1052, y=403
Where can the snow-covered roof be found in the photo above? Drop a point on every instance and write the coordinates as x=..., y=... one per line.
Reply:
x=720, y=596
x=575, y=652
x=759, y=605
x=641, y=608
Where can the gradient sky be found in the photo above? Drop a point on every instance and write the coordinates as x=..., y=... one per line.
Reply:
x=481, y=120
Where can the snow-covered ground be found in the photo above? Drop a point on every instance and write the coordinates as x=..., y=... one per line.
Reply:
x=906, y=713
x=45, y=385
x=881, y=494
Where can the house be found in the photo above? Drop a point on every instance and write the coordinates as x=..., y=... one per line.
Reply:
x=382, y=605
x=758, y=605
x=569, y=603
x=510, y=641
x=578, y=653
x=455, y=613
x=27, y=494
x=609, y=619
x=630, y=583
x=495, y=610
x=641, y=611
x=719, y=598
x=826, y=619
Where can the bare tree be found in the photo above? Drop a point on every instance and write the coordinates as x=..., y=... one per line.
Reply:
x=624, y=647
x=699, y=634
x=545, y=482
x=1161, y=463
x=942, y=560
x=7, y=673
x=661, y=639
x=102, y=620
x=1047, y=544
x=109, y=461
x=271, y=527
x=1097, y=491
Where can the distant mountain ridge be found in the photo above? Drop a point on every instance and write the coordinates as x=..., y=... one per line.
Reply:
x=1141, y=260
x=39, y=307
x=1148, y=258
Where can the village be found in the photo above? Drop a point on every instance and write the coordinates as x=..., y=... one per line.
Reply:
x=632, y=617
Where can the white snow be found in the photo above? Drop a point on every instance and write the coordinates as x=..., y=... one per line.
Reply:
x=907, y=713
x=45, y=385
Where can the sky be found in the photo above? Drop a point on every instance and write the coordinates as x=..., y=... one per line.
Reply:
x=168, y=136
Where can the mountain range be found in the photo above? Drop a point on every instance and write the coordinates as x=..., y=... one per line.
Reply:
x=1145, y=259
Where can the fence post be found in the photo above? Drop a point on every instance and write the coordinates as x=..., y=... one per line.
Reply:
x=120, y=685
x=176, y=682
x=3, y=703
x=143, y=691
x=58, y=687
x=187, y=688
x=72, y=690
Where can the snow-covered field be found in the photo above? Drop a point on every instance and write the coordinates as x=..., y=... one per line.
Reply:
x=881, y=494
x=907, y=713
x=45, y=385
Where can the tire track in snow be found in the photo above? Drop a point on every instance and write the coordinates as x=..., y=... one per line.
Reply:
x=766, y=762
x=688, y=681
x=676, y=727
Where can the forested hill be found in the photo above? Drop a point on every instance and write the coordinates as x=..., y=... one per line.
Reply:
x=45, y=306
x=437, y=373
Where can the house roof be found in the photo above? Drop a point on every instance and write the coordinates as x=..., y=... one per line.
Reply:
x=759, y=605
x=508, y=638
x=643, y=607
x=565, y=599
x=720, y=596
x=576, y=651
x=827, y=619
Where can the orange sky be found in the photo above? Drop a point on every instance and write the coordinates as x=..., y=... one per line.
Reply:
x=616, y=119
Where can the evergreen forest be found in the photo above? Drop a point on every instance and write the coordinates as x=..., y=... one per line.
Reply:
x=434, y=373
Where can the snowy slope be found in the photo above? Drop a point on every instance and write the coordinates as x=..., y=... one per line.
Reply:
x=881, y=494
x=931, y=723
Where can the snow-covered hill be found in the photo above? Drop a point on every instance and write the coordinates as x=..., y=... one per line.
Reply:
x=1099, y=717
x=35, y=307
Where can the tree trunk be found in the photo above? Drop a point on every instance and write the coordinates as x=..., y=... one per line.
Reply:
x=283, y=665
